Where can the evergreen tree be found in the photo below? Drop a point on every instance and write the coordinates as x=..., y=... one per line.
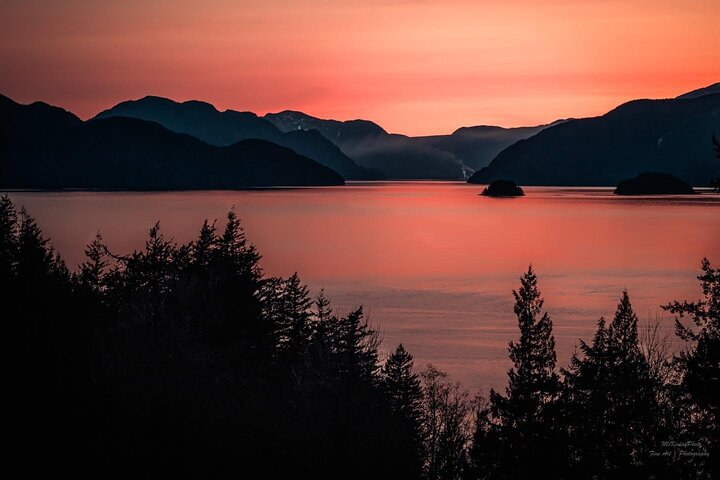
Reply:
x=356, y=345
x=36, y=257
x=151, y=270
x=47, y=342
x=287, y=306
x=237, y=251
x=700, y=363
x=161, y=360
x=325, y=323
x=587, y=402
x=402, y=386
x=230, y=272
x=8, y=237
x=524, y=425
x=203, y=248
x=403, y=393
x=532, y=382
x=93, y=269
x=613, y=410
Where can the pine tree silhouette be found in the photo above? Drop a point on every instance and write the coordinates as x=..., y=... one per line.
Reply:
x=186, y=360
x=700, y=362
x=403, y=392
x=612, y=403
x=523, y=428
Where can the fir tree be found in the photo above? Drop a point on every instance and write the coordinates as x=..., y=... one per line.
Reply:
x=403, y=393
x=356, y=346
x=291, y=316
x=402, y=386
x=524, y=421
x=8, y=237
x=699, y=363
x=613, y=408
x=532, y=382
x=234, y=248
x=203, y=248
x=93, y=269
x=36, y=257
x=234, y=280
x=323, y=318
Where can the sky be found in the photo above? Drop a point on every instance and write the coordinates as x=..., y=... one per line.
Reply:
x=414, y=67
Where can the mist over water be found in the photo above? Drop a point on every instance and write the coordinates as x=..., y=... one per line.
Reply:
x=433, y=263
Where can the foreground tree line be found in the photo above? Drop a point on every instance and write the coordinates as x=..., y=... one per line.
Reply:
x=186, y=360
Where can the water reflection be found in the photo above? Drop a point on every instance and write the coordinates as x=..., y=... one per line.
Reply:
x=433, y=262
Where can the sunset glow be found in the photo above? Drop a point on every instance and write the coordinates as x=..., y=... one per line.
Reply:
x=414, y=67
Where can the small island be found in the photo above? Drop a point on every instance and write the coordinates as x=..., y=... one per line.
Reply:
x=503, y=188
x=654, y=183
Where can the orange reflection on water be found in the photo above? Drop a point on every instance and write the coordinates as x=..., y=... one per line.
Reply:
x=433, y=262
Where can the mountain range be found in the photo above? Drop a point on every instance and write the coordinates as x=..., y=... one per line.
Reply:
x=42, y=146
x=671, y=135
x=204, y=121
x=446, y=157
x=158, y=143
x=357, y=149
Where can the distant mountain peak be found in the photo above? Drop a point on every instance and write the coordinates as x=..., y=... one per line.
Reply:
x=288, y=120
x=479, y=128
x=155, y=101
x=153, y=98
x=292, y=113
x=200, y=104
x=496, y=128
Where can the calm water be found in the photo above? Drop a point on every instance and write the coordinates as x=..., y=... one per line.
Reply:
x=434, y=263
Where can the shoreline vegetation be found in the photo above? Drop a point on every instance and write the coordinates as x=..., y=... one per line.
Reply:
x=503, y=188
x=654, y=183
x=186, y=359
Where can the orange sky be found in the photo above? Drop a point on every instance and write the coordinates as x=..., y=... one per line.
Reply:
x=415, y=67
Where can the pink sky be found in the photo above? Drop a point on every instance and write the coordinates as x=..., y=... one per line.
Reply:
x=415, y=67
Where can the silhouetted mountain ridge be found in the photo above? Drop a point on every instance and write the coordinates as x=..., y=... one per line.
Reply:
x=204, y=121
x=42, y=146
x=670, y=135
x=476, y=146
x=709, y=90
x=333, y=130
x=447, y=157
